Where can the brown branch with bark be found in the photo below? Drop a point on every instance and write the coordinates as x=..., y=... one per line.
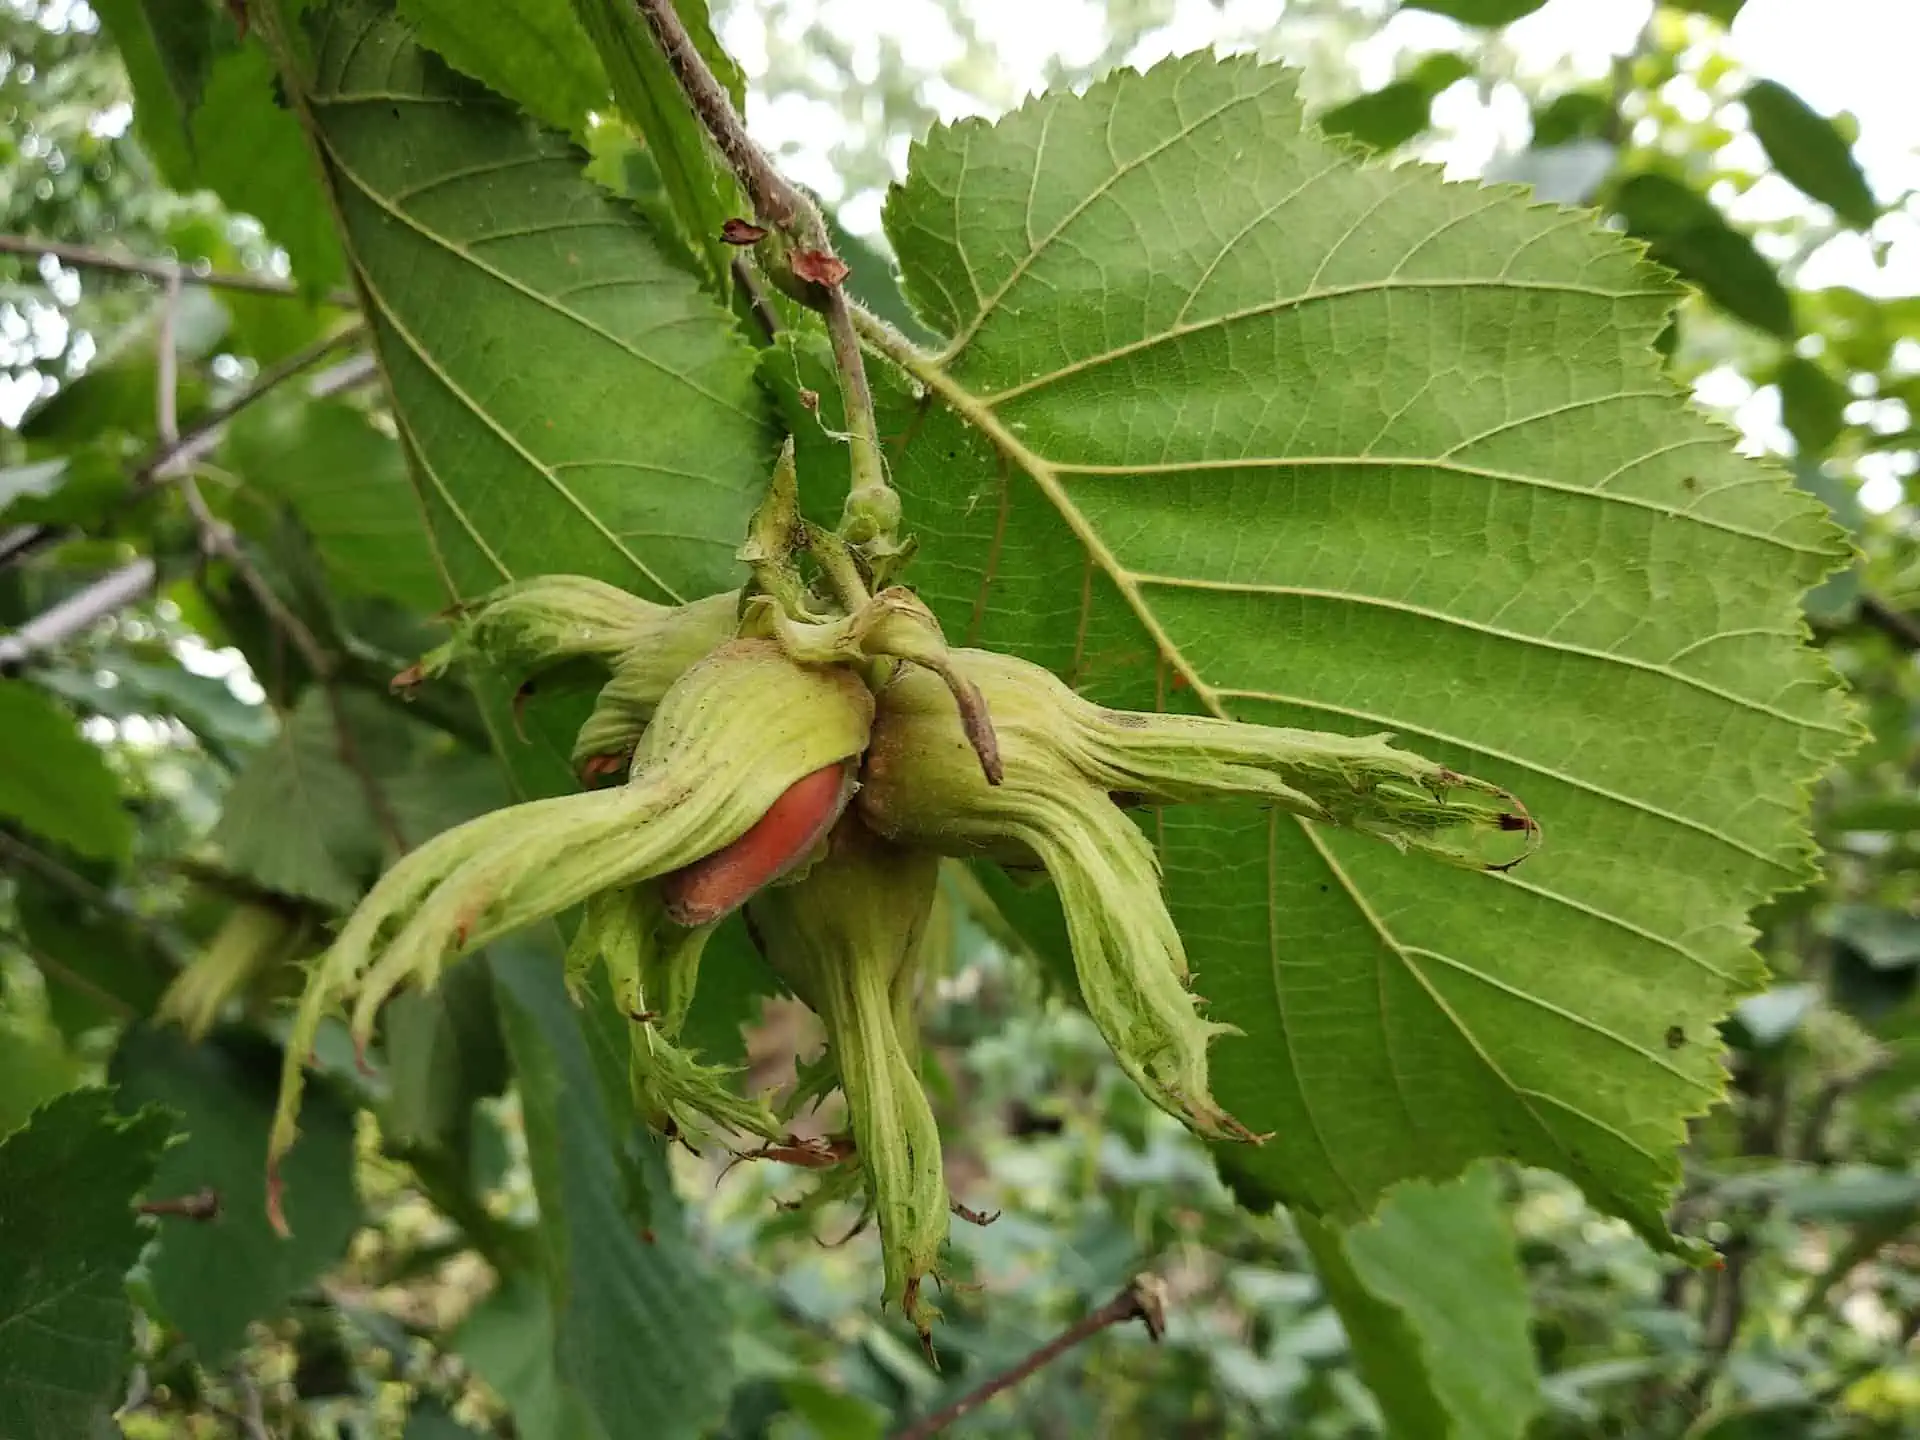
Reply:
x=783, y=206
x=87, y=257
x=1144, y=1299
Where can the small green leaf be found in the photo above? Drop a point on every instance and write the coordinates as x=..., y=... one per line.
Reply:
x=68, y=1236
x=297, y=819
x=348, y=483
x=68, y=793
x=1812, y=404
x=168, y=47
x=1804, y=147
x=1479, y=12
x=223, y=1090
x=638, y=1327
x=569, y=400
x=1575, y=115
x=531, y=51
x=1435, y=1306
x=205, y=108
x=703, y=192
x=1685, y=231
x=444, y=1053
x=1722, y=10
x=1392, y=115
x=250, y=151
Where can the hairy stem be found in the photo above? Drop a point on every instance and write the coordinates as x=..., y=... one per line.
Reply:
x=872, y=508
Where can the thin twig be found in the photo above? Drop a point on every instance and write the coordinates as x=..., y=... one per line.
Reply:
x=253, y=1414
x=16, y=852
x=218, y=538
x=79, y=612
x=781, y=204
x=74, y=980
x=86, y=257
x=1141, y=1300
x=1899, y=626
x=192, y=442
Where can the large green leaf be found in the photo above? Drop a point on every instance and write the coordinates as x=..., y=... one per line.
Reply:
x=55, y=782
x=1804, y=146
x=68, y=1236
x=1232, y=423
x=214, y=1278
x=638, y=1329
x=1435, y=1307
x=569, y=398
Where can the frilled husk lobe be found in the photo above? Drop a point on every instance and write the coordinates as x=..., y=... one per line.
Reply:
x=1064, y=760
x=728, y=738
x=847, y=938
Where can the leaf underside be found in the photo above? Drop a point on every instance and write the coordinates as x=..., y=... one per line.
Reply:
x=1229, y=422
x=569, y=399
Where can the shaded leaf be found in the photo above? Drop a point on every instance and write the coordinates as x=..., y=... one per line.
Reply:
x=638, y=1328
x=250, y=151
x=1479, y=12
x=222, y=1091
x=1231, y=423
x=1392, y=115
x=1812, y=404
x=116, y=393
x=1575, y=115
x=296, y=819
x=205, y=108
x=68, y=1236
x=702, y=192
x=348, y=484
x=168, y=47
x=569, y=400
x=1685, y=231
x=1887, y=939
x=1435, y=1307
x=1722, y=10
x=1804, y=147
x=509, y=1342
x=1771, y=1016
x=68, y=793
x=431, y=1421
x=444, y=1053
x=531, y=51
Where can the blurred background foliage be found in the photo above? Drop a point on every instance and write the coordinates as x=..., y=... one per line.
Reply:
x=201, y=760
